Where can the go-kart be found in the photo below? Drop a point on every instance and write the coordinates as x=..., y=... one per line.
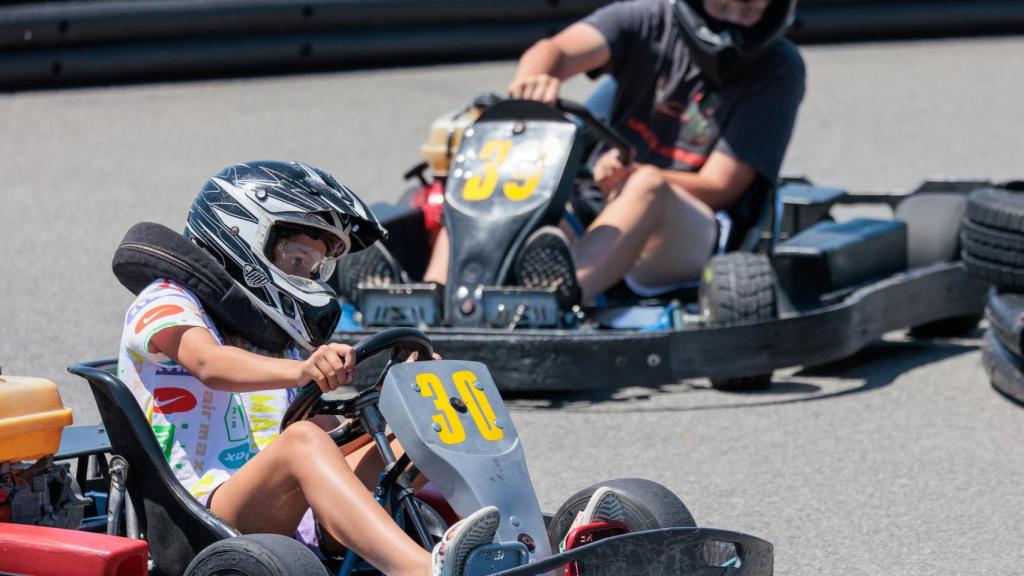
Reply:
x=455, y=430
x=790, y=285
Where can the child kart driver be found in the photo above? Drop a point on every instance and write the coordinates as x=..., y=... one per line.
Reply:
x=708, y=92
x=215, y=401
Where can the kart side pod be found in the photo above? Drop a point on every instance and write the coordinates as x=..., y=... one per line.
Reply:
x=452, y=422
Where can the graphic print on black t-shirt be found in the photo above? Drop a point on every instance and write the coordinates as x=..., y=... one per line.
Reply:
x=673, y=115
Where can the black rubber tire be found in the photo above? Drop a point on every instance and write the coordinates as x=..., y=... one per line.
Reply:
x=1005, y=313
x=256, y=555
x=933, y=225
x=981, y=234
x=990, y=248
x=1004, y=369
x=738, y=288
x=997, y=208
x=948, y=327
x=647, y=505
x=1004, y=277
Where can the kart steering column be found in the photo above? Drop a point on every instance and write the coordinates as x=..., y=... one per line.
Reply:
x=374, y=424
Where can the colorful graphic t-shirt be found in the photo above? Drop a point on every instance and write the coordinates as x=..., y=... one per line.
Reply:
x=205, y=434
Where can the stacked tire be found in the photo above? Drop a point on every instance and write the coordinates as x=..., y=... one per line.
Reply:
x=992, y=241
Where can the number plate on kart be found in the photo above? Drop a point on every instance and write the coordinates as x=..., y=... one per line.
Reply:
x=400, y=305
x=520, y=307
x=508, y=167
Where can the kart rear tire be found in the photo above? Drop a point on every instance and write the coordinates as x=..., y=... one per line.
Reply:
x=738, y=288
x=647, y=505
x=1010, y=278
x=994, y=237
x=987, y=248
x=256, y=555
x=997, y=208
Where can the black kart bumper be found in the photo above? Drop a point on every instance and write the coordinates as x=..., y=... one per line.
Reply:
x=571, y=360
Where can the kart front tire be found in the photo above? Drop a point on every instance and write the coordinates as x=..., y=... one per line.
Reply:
x=737, y=288
x=256, y=555
x=647, y=506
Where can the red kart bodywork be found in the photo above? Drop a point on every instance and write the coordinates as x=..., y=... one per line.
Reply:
x=39, y=550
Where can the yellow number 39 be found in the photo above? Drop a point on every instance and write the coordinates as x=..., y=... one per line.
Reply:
x=449, y=427
x=479, y=188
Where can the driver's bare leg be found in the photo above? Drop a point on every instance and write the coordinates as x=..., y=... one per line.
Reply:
x=303, y=469
x=437, y=268
x=657, y=233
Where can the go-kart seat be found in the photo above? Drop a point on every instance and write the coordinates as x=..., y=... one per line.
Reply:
x=752, y=217
x=176, y=526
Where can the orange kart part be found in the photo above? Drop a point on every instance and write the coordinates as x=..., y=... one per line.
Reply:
x=588, y=534
x=32, y=418
x=40, y=550
x=444, y=138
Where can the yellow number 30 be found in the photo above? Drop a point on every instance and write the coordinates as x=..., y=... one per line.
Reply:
x=479, y=188
x=449, y=427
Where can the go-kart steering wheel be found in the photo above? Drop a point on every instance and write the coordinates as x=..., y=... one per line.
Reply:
x=309, y=401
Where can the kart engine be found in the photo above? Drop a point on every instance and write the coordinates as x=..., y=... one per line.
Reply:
x=40, y=493
x=34, y=490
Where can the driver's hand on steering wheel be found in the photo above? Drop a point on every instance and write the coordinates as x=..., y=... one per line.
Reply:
x=610, y=173
x=330, y=366
x=540, y=87
x=414, y=356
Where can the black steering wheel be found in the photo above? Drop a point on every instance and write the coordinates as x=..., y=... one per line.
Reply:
x=310, y=401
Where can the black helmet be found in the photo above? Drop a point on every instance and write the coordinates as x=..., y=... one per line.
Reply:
x=722, y=50
x=244, y=210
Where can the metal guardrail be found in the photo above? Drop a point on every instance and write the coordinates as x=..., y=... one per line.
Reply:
x=96, y=41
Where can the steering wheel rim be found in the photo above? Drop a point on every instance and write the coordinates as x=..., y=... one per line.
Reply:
x=398, y=340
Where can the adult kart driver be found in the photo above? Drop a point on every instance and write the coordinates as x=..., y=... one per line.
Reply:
x=707, y=92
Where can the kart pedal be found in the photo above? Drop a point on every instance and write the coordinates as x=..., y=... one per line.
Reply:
x=588, y=534
x=495, y=557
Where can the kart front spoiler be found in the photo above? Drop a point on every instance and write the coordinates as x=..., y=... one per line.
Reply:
x=664, y=552
x=527, y=360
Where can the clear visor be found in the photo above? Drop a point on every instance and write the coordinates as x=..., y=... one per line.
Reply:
x=308, y=258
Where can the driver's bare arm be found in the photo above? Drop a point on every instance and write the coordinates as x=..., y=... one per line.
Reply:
x=546, y=64
x=229, y=368
x=718, y=184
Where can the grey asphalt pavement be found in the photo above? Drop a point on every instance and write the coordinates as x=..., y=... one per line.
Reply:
x=901, y=460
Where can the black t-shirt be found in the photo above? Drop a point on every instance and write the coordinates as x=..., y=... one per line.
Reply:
x=674, y=115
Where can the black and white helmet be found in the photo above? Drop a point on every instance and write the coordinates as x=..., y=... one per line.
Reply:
x=724, y=51
x=243, y=210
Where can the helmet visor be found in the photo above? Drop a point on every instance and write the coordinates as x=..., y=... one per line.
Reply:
x=307, y=256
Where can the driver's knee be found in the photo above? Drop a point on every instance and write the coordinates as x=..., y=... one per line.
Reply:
x=647, y=184
x=306, y=437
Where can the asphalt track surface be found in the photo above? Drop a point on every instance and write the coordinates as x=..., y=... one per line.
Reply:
x=902, y=460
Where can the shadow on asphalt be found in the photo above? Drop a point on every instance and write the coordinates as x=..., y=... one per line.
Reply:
x=877, y=366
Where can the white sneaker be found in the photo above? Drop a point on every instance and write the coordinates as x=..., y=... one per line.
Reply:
x=449, y=555
x=604, y=505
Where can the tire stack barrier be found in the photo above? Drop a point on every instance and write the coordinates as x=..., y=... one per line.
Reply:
x=79, y=42
x=992, y=243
